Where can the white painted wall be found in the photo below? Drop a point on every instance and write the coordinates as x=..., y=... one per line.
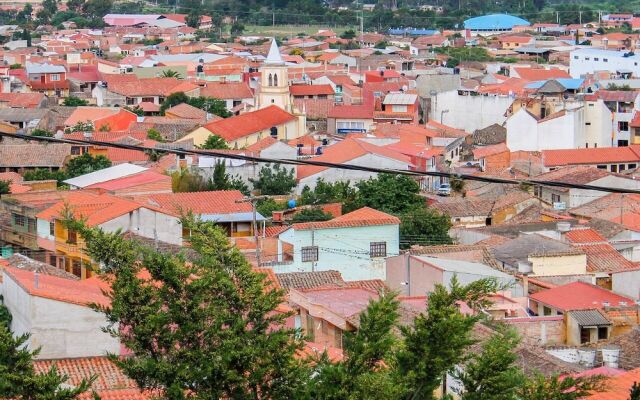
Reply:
x=583, y=61
x=627, y=283
x=600, y=131
x=469, y=112
x=62, y=330
x=525, y=133
x=343, y=249
x=341, y=175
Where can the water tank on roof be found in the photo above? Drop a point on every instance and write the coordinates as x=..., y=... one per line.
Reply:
x=563, y=227
x=610, y=356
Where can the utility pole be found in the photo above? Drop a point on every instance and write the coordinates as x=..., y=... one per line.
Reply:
x=253, y=200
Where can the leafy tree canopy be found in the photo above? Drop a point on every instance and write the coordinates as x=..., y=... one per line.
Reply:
x=5, y=187
x=85, y=164
x=215, y=142
x=424, y=226
x=274, y=180
x=73, y=101
x=311, y=215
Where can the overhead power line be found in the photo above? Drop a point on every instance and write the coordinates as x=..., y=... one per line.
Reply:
x=312, y=162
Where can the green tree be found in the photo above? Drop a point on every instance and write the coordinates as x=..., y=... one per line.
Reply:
x=41, y=132
x=5, y=187
x=206, y=328
x=26, y=35
x=187, y=181
x=80, y=126
x=634, y=392
x=41, y=174
x=539, y=387
x=424, y=226
x=457, y=185
x=97, y=8
x=366, y=371
x=274, y=180
x=85, y=164
x=173, y=100
x=381, y=45
x=328, y=192
x=5, y=315
x=154, y=135
x=311, y=215
x=170, y=73
x=395, y=194
x=223, y=181
x=194, y=17
x=20, y=381
x=75, y=5
x=267, y=206
x=215, y=142
x=439, y=337
x=237, y=28
x=348, y=34
x=493, y=374
x=211, y=105
x=73, y=101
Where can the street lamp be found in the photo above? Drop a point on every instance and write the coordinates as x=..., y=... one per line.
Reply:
x=442, y=113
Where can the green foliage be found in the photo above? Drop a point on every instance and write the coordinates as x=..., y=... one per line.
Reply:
x=457, y=185
x=26, y=35
x=73, y=101
x=20, y=381
x=424, y=226
x=395, y=194
x=41, y=174
x=97, y=8
x=438, y=339
x=460, y=54
x=206, y=327
x=327, y=192
x=15, y=66
x=613, y=86
x=5, y=187
x=223, y=181
x=137, y=110
x=493, y=373
x=237, y=28
x=381, y=45
x=634, y=392
x=364, y=372
x=348, y=34
x=187, y=181
x=195, y=14
x=85, y=164
x=154, y=135
x=208, y=104
x=80, y=126
x=215, y=142
x=275, y=179
x=41, y=132
x=540, y=387
x=267, y=206
x=5, y=315
x=311, y=215
x=169, y=73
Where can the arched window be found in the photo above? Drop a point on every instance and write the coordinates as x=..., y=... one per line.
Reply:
x=270, y=80
x=275, y=80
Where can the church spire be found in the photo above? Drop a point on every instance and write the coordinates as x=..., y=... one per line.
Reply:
x=274, y=57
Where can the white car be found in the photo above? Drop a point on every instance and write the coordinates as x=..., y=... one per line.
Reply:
x=444, y=190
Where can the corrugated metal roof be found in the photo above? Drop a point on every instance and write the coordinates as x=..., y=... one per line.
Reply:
x=589, y=318
x=400, y=98
x=103, y=175
x=45, y=68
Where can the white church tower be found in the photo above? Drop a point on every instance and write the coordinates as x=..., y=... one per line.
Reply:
x=274, y=81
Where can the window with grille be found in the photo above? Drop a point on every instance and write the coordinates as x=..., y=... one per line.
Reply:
x=378, y=249
x=52, y=228
x=19, y=220
x=310, y=253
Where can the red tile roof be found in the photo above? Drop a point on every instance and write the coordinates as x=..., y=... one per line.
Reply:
x=617, y=387
x=352, y=111
x=151, y=87
x=214, y=202
x=227, y=90
x=585, y=236
x=22, y=100
x=540, y=74
x=95, y=209
x=252, y=122
x=346, y=150
x=579, y=296
x=605, y=258
x=187, y=111
x=81, y=292
x=311, y=90
x=591, y=156
x=359, y=218
x=84, y=114
x=142, y=178
x=485, y=151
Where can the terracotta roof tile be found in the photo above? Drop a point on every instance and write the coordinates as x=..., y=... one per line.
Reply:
x=83, y=292
x=580, y=296
x=539, y=74
x=187, y=111
x=618, y=387
x=34, y=155
x=249, y=123
x=151, y=87
x=308, y=280
x=311, y=90
x=362, y=217
x=214, y=202
x=591, y=156
x=22, y=100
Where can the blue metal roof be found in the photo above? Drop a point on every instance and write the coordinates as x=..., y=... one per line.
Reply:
x=568, y=83
x=494, y=22
x=413, y=32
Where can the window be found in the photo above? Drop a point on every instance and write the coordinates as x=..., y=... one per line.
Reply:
x=588, y=123
x=399, y=108
x=632, y=166
x=337, y=337
x=359, y=125
x=72, y=237
x=310, y=331
x=322, y=96
x=614, y=168
x=576, y=57
x=378, y=249
x=310, y=253
x=596, y=59
x=623, y=143
x=605, y=60
x=31, y=225
x=76, y=268
x=555, y=198
x=325, y=327
x=52, y=228
x=55, y=77
x=270, y=80
x=275, y=80
x=601, y=167
x=546, y=310
x=148, y=100
x=19, y=220
x=587, y=58
x=623, y=125
x=585, y=335
x=131, y=101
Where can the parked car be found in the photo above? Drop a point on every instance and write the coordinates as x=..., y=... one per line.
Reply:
x=444, y=190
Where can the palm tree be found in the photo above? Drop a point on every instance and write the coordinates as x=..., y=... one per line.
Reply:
x=169, y=73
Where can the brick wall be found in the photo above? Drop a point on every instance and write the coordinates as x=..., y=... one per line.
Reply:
x=500, y=160
x=539, y=330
